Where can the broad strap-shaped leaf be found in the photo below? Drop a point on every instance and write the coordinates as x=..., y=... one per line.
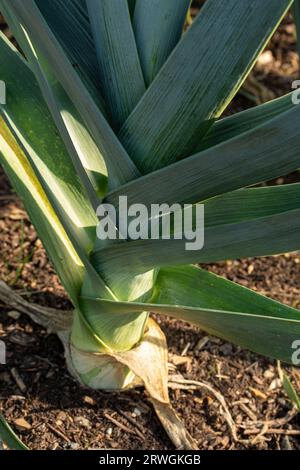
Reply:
x=85, y=147
x=220, y=307
x=67, y=255
x=120, y=70
x=263, y=153
x=54, y=104
x=55, y=240
x=236, y=124
x=199, y=79
x=251, y=203
x=267, y=231
x=48, y=159
x=69, y=21
x=158, y=27
x=8, y=436
x=246, y=204
x=242, y=205
x=120, y=167
x=44, y=147
x=131, y=330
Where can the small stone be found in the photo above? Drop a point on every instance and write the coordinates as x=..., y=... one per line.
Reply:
x=250, y=269
x=214, y=340
x=268, y=374
x=74, y=445
x=225, y=441
x=22, y=424
x=276, y=383
x=89, y=400
x=14, y=314
x=62, y=416
x=201, y=343
x=136, y=412
x=17, y=398
x=266, y=58
x=83, y=422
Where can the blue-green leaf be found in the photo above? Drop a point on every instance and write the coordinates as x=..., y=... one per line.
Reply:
x=158, y=27
x=199, y=79
x=119, y=66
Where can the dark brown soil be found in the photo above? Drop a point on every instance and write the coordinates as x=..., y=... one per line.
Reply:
x=59, y=414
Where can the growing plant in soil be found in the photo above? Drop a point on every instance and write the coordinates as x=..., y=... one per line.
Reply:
x=109, y=101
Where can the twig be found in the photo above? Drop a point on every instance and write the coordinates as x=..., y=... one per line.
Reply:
x=121, y=425
x=138, y=428
x=248, y=412
x=193, y=385
x=58, y=432
x=287, y=432
x=18, y=379
x=185, y=349
x=273, y=422
x=260, y=435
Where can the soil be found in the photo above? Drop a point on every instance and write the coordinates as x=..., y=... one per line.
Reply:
x=50, y=411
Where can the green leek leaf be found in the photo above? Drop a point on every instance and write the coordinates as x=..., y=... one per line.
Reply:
x=263, y=153
x=158, y=28
x=38, y=35
x=237, y=123
x=199, y=79
x=8, y=436
x=69, y=21
x=220, y=307
x=119, y=66
x=58, y=246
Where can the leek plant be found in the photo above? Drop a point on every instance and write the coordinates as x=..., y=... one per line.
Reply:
x=110, y=98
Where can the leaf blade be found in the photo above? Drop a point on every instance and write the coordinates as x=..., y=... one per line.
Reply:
x=43, y=147
x=119, y=65
x=263, y=153
x=251, y=203
x=196, y=83
x=236, y=124
x=289, y=388
x=41, y=213
x=9, y=437
x=118, y=163
x=158, y=27
x=269, y=235
x=219, y=307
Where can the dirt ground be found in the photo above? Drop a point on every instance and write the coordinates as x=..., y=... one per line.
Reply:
x=50, y=411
